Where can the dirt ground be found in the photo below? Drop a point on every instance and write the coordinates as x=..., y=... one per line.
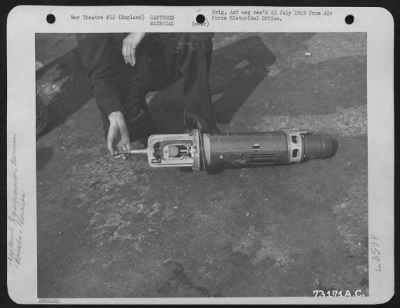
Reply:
x=111, y=228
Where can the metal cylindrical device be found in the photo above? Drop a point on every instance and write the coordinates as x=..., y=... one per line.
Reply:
x=245, y=149
x=213, y=152
x=238, y=150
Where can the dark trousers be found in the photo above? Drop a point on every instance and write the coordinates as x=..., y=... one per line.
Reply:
x=161, y=59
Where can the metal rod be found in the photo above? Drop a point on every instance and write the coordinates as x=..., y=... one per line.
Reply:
x=138, y=151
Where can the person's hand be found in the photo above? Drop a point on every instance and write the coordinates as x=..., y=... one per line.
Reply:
x=129, y=46
x=118, y=136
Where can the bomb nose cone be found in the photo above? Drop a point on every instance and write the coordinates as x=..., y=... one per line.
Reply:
x=329, y=146
x=319, y=146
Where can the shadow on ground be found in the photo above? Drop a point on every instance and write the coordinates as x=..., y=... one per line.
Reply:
x=236, y=71
x=63, y=87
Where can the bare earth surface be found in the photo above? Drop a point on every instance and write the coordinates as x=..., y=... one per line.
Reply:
x=110, y=228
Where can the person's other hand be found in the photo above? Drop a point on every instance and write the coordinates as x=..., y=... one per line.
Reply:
x=118, y=140
x=129, y=46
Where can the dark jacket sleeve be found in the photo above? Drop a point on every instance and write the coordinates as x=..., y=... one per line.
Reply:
x=97, y=54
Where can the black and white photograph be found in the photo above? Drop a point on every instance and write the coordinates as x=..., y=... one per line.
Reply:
x=110, y=225
x=201, y=163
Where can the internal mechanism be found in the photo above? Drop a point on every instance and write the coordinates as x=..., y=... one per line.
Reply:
x=171, y=150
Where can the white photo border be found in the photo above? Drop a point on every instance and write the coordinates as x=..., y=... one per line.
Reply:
x=25, y=21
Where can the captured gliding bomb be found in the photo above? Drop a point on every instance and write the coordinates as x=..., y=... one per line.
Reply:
x=213, y=152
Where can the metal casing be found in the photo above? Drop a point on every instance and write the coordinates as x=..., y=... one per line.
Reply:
x=239, y=150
